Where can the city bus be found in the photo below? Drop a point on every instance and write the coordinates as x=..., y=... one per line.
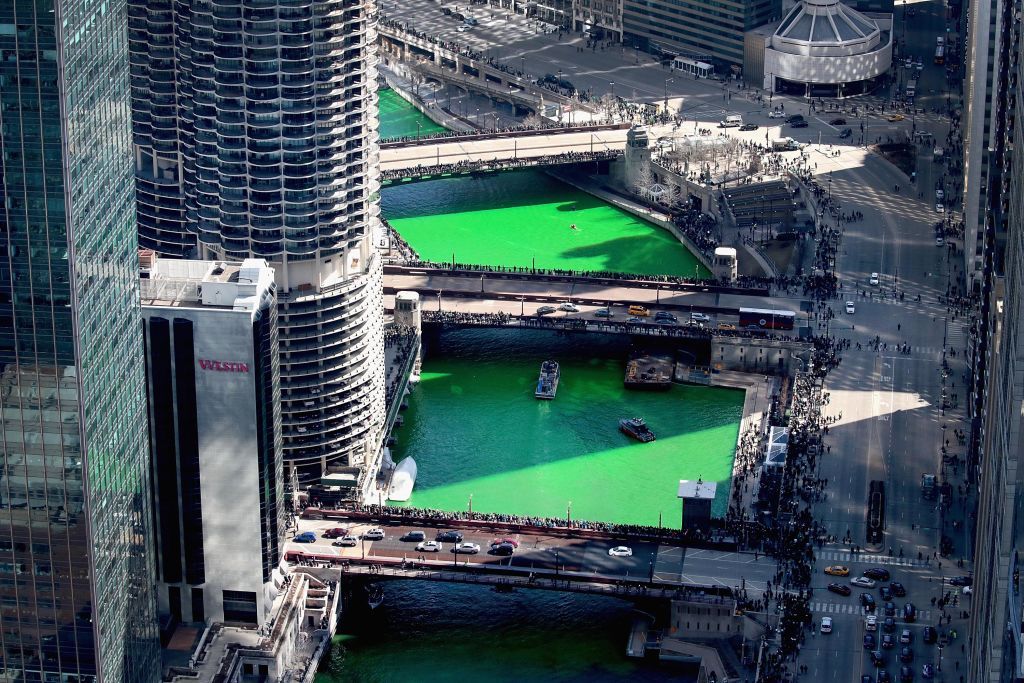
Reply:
x=912, y=88
x=940, y=55
x=876, y=511
x=764, y=319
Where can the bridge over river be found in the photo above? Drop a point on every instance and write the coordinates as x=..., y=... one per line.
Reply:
x=564, y=559
x=546, y=146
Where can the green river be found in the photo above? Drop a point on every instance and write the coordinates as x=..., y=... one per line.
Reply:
x=474, y=427
x=399, y=118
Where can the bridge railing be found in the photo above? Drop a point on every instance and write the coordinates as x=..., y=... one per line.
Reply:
x=504, y=133
x=471, y=166
x=580, y=529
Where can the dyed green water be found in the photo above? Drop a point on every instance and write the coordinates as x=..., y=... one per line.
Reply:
x=434, y=633
x=474, y=427
x=524, y=218
x=398, y=117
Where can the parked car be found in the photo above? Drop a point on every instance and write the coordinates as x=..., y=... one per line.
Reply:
x=546, y=310
x=429, y=547
x=620, y=551
x=837, y=570
x=898, y=589
x=305, y=537
x=449, y=536
x=374, y=534
x=839, y=589
x=826, y=624
x=466, y=548
x=862, y=582
x=877, y=573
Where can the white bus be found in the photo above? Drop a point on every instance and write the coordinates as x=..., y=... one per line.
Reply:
x=731, y=121
x=912, y=88
x=692, y=67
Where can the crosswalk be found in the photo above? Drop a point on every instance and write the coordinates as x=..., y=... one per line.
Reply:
x=923, y=616
x=956, y=335
x=846, y=557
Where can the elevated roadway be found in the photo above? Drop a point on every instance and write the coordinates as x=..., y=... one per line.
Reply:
x=408, y=156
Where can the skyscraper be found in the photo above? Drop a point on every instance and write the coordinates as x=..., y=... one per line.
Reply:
x=76, y=573
x=256, y=137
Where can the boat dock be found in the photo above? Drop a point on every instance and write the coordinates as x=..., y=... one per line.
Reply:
x=649, y=371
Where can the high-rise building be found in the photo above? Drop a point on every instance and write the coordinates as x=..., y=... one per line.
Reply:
x=215, y=437
x=256, y=137
x=995, y=259
x=76, y=567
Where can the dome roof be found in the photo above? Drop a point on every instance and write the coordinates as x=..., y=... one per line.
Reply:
x=826, y=22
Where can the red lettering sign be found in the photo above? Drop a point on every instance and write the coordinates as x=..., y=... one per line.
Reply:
x=223, y=365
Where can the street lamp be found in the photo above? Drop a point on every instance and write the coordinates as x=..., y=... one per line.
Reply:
x=471, y=506
x=568, y=514
x=667, y=81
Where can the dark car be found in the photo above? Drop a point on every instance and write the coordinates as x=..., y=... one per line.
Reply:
x=749, y=126
x=930, y=635
x=878, y=658
x=876, y=573
x=845, y=133
x=869, y=641
x=898, y=589
x=837, y=122
x=414, y=537
x=927, y=671
x=793, y=118
x=839, y=588
x=906, y=673
x=449, y=536
x=888, y=642
x=305, y=537
x=961, y=581
x=890, y=609
x=909, y=613
x=799, y=124
x=906, y=654
x=885, y=593
x=665, y=315
x=884, y=677
x=866, y=679
x=506, y=549
x=336, y=532
x=889, y=625
x=868, y=601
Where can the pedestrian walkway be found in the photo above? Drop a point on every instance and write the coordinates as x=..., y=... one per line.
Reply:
x=846, y=557
x=956, y=335
x=923, y=616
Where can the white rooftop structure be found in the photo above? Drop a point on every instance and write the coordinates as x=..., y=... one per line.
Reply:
x=702, y=490
x=778, y=447
x=825, y=48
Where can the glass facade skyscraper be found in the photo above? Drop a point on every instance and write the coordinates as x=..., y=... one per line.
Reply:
x=76, y=574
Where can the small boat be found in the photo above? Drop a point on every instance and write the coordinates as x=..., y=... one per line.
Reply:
x=637, y=428
x=374, y=596
x=402, y=480
x=547, y=383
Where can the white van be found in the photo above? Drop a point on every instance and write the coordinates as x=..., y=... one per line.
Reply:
x=731, y=121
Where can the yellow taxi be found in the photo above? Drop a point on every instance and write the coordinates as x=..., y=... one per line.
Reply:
x=638, y=310
x=837, y=570
x=895, y=118
x=726, y=326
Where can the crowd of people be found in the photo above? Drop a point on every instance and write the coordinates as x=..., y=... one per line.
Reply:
x=541, y=125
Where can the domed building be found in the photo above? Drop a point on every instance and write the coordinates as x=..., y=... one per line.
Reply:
x=822, y=48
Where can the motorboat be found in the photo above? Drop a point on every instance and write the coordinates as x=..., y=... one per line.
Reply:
x=547, y=382
x=374, y=596
x=636, y=428
x=402, y=480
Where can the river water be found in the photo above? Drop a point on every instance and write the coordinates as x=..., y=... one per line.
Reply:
x=398, y=118
x=475, y=427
